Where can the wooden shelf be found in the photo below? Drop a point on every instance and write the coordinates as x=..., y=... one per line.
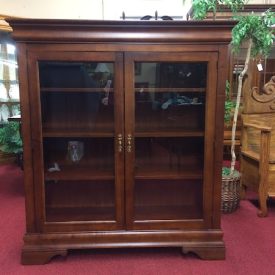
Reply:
x=84, y=132
x=256, y=156
x=170, y=90
x=72, y=173
x=9, y=81
x=10, y=102
x=251, y=154
x=168, y=212
x=93, y=213
x=183, y=133
x=76, y=90
x=76, y=132
x=162, y=172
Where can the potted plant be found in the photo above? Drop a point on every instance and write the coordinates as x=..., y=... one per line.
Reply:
x=257, y=32
x=202, y=7
x=10, y=140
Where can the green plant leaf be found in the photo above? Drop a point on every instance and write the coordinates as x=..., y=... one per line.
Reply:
x=10, y=139
x=258, y=29
x=201, y=7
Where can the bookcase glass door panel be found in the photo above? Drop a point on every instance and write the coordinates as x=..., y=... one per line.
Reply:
x=81, y=200
x=78, y=129
x=168, y=200
x=170, y=99
x=78, y=158
x=173, y=167
x=77, y=97
x=169, y=157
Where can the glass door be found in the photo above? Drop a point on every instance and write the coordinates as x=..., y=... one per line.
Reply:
x=169, y=98
x=79, y=153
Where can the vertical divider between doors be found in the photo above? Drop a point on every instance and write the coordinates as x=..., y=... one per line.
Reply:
x=119, y=130
x=129, y=130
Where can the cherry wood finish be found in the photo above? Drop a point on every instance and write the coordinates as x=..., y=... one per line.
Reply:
x=147, y=178
x=258, y=158
x=258, y=138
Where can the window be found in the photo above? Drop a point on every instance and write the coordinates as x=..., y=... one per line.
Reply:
x=9, y=88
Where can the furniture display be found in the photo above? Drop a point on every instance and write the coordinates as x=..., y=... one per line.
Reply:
x=258, y=137
x=122, y=125
x=9, y=90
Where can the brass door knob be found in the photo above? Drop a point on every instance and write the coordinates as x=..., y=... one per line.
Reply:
x=120, y=143
x=129, y=143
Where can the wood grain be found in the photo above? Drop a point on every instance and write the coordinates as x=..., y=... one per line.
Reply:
x=147, y=177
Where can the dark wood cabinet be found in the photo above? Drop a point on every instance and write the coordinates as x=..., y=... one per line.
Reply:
x=123, y=132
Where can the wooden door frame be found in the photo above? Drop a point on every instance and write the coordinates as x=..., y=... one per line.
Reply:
x=33, y=57
x=209, y=153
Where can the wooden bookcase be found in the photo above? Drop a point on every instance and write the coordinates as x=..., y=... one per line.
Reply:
x=131, y=115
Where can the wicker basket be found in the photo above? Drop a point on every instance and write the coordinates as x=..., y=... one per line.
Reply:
x=230, y=193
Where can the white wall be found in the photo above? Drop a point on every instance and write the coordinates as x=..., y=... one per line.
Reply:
x=91, y=9
x=98, y=9
x=71, y=9
x=141, y=8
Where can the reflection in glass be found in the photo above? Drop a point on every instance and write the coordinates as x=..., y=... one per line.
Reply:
x=77, y=95
x=74, y=74
x=170, y=96
x=77, y=110
x=169, y=111
x=169, y=156
x=96, y=156
x=171, y=75
x=170, y=100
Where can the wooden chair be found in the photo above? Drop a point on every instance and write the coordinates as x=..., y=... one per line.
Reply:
x=258, y=143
